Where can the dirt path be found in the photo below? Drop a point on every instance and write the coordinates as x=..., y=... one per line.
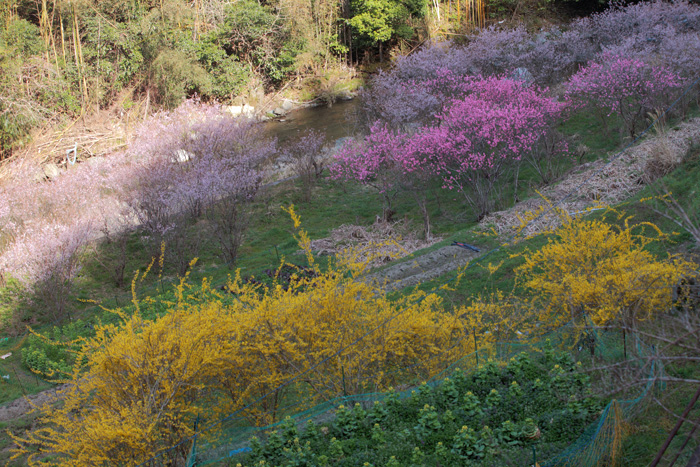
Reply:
x=423, y=268
x=20, y=407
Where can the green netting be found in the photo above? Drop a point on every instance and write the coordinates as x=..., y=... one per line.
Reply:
x=599, y=444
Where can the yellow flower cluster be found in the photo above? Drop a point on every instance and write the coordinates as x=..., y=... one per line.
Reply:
x=143, y=383
x=595, y=271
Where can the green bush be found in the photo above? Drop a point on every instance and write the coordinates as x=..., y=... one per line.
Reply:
x=258, y=36
x=13, y=296
x=228, y=75
x=22, y=38
x=19, y=41
x=116, y=58
x=52, y=355
x=15, y=126
x=174, y=76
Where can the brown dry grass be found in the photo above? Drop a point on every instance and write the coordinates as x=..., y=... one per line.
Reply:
x=596, y=184
x=97, y=134
x=377, y=244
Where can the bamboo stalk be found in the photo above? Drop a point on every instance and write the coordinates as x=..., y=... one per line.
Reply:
x=80, y=62
x=74, y=24
x=63, y=38
x=480, y=4
x=44, y=28
x=196, y=20
x=52, y=39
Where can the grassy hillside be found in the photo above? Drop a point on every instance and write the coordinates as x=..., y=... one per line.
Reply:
x=98, y=258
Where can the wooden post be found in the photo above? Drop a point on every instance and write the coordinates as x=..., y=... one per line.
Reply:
x=672, y=435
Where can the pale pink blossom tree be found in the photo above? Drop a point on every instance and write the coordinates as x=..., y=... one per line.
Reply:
x=196, y=162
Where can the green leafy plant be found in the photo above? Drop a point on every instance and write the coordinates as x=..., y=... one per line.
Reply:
x=398, y=431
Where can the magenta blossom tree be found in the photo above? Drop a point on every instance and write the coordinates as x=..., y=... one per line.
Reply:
x=480, y=136
x=484, y=135
x=626, y=87
x=418, y=160
x=372, y=162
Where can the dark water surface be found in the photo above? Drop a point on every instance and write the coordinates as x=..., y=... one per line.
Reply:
x=336, y=122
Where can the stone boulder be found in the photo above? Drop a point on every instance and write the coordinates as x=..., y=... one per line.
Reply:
x=51, y=171
x=523, y=75
x=287, y=105
x=181, y=156
x=238, y=110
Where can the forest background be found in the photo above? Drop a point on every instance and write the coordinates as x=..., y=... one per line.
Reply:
x=65, y=59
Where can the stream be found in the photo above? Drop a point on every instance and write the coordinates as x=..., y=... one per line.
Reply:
x=336, y=122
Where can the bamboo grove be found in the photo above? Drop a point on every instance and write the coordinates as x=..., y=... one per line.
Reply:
x=63, y=59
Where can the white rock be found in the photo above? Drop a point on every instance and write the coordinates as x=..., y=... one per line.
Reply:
x=238, y=110
x=51, y=171
x=181, y=156
x=248, y=110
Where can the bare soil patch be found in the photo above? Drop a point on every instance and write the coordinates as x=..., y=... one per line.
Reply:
x=377, y=244
x=384, y=242
x=423, y=268
x=596, y=184
x=22, y=406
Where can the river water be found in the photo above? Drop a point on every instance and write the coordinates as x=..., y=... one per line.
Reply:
x=336, y=122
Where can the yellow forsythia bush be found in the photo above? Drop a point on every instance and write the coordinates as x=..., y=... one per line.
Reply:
x=591, y=270
x=141, y=384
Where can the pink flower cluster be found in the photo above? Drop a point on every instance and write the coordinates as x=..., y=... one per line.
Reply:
x=474, y=138
x=627, y=87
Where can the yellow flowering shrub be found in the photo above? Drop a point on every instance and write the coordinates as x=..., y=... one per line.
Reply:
x=140, y=384
x=591, y=269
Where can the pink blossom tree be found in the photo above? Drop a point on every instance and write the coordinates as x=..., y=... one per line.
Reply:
x=47, y=260
x=372, y=162
x=197, y=162
x=484, y=135
x=418, y=160
x=228, y=168
x=46, y=227
x=626, y=87
x=486, y=131
x=397, y=102
x=305, y=152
